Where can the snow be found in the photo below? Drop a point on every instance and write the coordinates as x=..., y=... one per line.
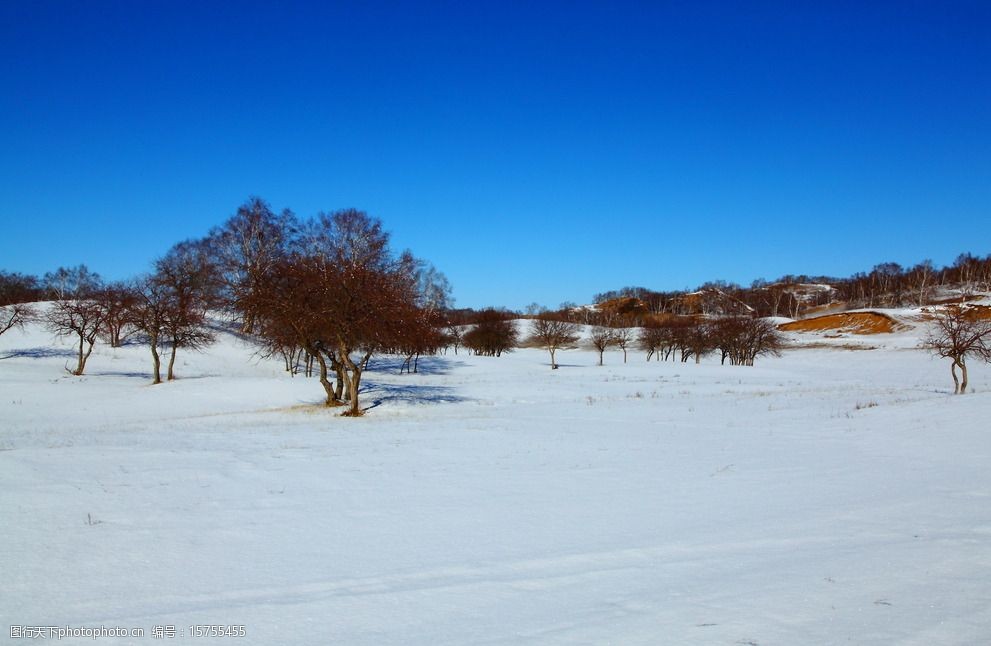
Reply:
x=827, y=496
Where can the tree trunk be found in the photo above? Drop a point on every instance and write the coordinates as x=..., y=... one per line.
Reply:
x=963, y=376
x=600, y=357
x=352, y=375
x=553, y=364
x=171, y=375
x=956, y=380
x=156, y=361
x=81, y=361
x=328, y=387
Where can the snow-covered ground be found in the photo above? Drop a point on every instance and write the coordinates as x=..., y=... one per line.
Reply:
x=828, y=496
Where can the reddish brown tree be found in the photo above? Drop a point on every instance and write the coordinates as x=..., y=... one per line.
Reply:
x=492, y=333
x=188, y=278
x=342, y=299
x=116, y=300
x=245, y=247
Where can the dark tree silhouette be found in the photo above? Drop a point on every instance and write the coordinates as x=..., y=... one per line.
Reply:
x=492, y=334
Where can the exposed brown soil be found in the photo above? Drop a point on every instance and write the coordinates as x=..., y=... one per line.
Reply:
x=624, y=306
x=972, y=312
x=849, y=322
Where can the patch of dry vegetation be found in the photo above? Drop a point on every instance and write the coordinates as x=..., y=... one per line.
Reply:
x=849, y=322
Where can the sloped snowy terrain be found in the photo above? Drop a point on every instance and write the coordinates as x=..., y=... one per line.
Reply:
x=828, y=496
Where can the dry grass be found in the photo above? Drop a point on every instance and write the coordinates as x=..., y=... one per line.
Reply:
x=850, y=322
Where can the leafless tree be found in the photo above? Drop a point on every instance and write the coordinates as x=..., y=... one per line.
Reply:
x=148, y=314
x=15, y=315
x=650, y=339
x=492, y=333
x=553, y=334
x=694, y=338
x=19, y=288
x=454, y=335
x=16, y=293
x=81, y=318
x=623, y=337
x=246, y=246
x=116, y=301
x=921, y=278
x=69, y=283
x=956, y=333
x=742, y=339
x=343, y=297
x=602, y=337
x=187, y=276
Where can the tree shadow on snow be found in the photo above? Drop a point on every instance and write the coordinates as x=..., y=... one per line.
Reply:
x=380, y=394
x=425, y=366
x=120, y=373
x=40, y=353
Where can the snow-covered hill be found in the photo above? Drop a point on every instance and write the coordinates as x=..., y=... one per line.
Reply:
x=828, y=496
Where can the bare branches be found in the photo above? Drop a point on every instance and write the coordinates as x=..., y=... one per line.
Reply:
x=493, y=333
x=15, y=315
x=956, y=333
x=553, y=334
x=81, y=318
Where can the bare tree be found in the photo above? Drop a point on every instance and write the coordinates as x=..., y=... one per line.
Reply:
x=116, y=301
x=187, y=276
x=246, y=246
x=16, y=292
x=344, y=297
x=602, y=337
x=454, y=335
x=553, y=334
x=15, y=315
x=492, y=334
x=742, y=339
x=956, y=333
x=67, y=283
x=147, y=313
x=623, y=337
x=81, y=318
x=920, y=278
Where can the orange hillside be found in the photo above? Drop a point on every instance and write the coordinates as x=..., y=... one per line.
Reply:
x=851, y=322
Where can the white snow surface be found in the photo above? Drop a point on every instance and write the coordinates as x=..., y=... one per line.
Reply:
x=828, y=496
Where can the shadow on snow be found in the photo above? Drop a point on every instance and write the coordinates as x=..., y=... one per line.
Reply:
x=380, y=394
x=425, y=366
x=40, y=353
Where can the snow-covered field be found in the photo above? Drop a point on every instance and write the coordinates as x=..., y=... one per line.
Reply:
x=829, y=496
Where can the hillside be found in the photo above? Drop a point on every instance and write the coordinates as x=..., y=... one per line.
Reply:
x=823, y=497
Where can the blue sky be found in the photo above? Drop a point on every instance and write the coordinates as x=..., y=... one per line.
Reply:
x=532, y=151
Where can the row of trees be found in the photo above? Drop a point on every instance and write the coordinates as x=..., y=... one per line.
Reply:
x=329, y=291
x=741, y=339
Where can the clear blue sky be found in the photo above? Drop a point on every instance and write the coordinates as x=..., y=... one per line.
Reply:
x=532, y=151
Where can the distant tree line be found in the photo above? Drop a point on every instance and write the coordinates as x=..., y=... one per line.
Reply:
x=886, y=285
